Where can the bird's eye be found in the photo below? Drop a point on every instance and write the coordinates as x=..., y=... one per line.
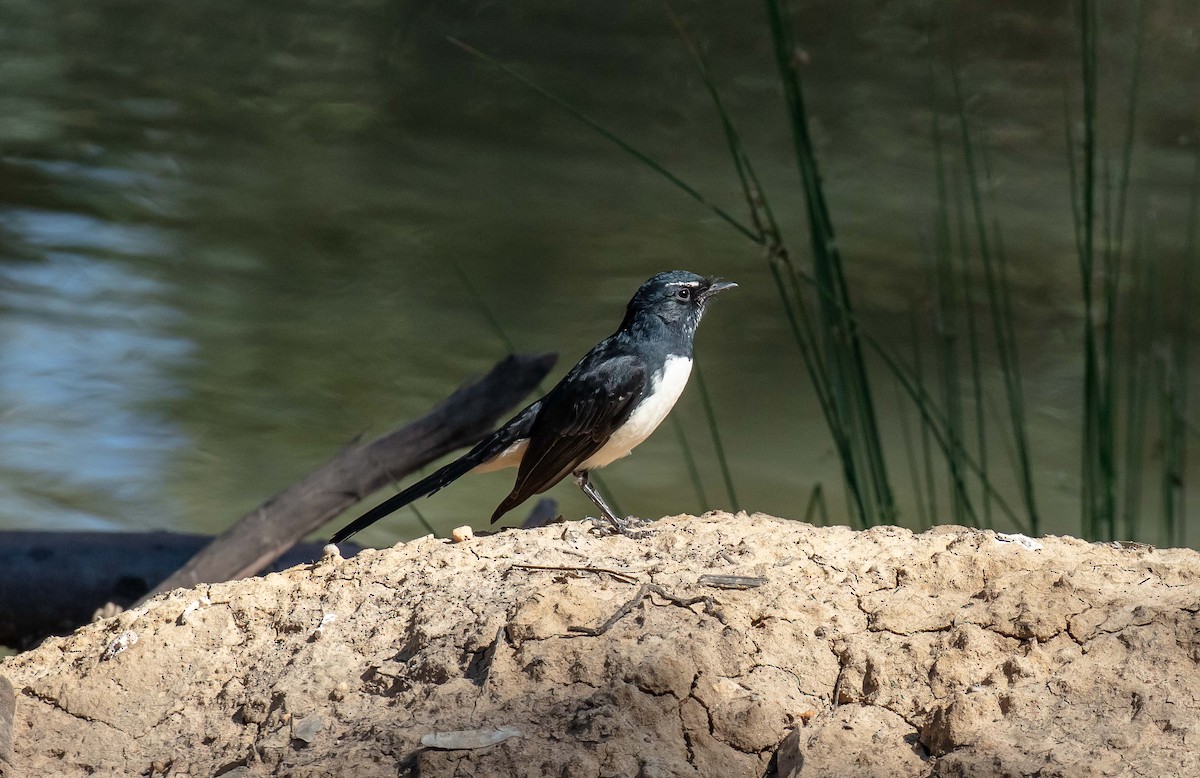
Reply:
x=683, y=295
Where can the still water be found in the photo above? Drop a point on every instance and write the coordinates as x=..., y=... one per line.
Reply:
x=234, y=237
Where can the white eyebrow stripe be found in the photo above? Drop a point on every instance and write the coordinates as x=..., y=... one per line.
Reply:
x=683, y=283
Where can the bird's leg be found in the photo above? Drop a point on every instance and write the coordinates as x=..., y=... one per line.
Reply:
x=585, y=485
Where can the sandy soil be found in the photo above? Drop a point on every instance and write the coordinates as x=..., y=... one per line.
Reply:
x=881, y=653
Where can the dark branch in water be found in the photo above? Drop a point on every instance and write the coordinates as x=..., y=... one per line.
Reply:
x=462, y=419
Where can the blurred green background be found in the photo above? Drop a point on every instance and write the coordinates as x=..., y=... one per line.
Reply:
x=233, y=236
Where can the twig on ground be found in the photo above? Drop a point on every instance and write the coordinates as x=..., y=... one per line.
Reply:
x=622, y=575
x=732, y=581
x=646, y=590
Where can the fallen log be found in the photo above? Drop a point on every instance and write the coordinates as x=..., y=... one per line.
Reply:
x=460, y=420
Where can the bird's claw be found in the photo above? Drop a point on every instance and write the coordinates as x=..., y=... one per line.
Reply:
x=628, y=526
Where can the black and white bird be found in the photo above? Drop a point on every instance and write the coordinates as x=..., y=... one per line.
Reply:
x=601, y=409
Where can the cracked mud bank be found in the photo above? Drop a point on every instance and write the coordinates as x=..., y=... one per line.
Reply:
x=878, y=653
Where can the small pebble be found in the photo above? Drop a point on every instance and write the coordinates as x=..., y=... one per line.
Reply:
x=461, y=534
x=122, y=642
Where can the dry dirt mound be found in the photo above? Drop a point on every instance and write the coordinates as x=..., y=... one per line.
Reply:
x=878, y=653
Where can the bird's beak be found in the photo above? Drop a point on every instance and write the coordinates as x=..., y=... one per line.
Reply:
x=716, y=287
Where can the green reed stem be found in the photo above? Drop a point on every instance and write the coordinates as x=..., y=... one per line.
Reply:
x=609, y=135
x=852, y=399
x=795, y=305
x=816, y=505
x=1002, y=322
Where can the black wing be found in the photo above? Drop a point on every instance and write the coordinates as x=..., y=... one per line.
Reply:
x=576, y=419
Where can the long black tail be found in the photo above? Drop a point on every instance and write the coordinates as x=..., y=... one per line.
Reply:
x=426, y=486
x=485, y=450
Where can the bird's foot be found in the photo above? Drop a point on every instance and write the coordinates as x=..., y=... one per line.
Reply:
x=630, y=527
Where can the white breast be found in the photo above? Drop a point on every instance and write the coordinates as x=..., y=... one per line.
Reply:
x=665, y=389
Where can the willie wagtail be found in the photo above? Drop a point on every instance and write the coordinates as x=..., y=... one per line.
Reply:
x=604, y=406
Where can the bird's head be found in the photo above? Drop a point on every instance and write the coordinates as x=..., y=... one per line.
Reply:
x=677, y=297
